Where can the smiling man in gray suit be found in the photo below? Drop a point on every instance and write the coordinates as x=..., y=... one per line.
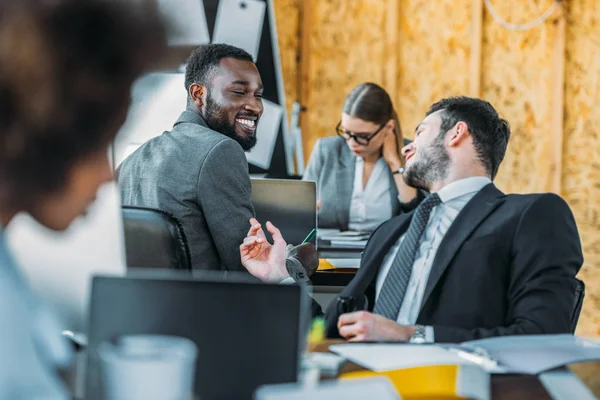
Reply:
x=198, y=171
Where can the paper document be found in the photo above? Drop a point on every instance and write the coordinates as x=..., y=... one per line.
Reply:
x=343, y=244
x=537, y=353
x=387, y=357
x=240, y=24
x=186, y=22
x=531, y=354
x=344, y=262
x=350, y=236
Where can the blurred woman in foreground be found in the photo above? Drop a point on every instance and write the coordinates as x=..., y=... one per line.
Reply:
x=66, y=68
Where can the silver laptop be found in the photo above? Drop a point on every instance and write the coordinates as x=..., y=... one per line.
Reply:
x=248, y=333
x=291, y=205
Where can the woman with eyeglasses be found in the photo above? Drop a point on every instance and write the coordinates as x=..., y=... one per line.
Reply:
x=66, y=70
x=359, y=171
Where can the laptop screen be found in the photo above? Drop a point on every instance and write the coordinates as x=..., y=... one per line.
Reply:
x=291, y=205
x=247, y=334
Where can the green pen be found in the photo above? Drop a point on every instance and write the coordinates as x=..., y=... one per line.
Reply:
x=310, y=236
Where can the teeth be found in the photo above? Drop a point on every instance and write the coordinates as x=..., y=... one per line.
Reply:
x=248, y=122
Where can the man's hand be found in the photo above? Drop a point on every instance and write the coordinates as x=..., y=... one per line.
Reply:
x=260, y=258
x=363, y=326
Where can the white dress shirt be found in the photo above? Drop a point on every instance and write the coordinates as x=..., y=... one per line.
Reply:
x=454, y=197
x=371, y=205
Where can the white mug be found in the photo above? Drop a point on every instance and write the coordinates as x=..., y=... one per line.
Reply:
x=150, y=367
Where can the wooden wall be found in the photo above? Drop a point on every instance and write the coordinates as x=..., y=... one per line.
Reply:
x=545, y=81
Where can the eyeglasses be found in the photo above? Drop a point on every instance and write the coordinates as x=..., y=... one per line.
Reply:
x=360, y=138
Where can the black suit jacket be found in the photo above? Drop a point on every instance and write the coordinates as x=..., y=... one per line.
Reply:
x=506, y=266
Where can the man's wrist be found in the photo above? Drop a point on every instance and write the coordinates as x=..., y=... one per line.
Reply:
x=410, y=331
x=295, y=269
x=421, y=334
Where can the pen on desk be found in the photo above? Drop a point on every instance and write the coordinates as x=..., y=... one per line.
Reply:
x=310, y=236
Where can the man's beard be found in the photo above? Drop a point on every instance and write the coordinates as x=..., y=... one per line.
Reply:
x=216, y=118
x=432, y=166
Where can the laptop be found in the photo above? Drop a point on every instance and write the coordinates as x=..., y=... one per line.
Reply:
x=248, y=333
x=291, y=205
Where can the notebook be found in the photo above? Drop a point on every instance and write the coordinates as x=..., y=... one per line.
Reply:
x=532, y=354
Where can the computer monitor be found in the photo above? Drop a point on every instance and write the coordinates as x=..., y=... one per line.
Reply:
x=247, y=333
x=291, y=205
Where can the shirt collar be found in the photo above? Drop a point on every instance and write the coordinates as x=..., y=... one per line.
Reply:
x=463, y=187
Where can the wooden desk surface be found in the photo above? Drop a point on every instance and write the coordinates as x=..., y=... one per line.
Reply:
x=509, y=386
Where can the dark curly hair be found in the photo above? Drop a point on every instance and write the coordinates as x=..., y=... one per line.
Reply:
x=205, y=59
x=66, y=69
x=490, y=132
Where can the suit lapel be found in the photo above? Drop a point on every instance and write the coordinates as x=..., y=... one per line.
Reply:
x=344, y=178
x=470, y=217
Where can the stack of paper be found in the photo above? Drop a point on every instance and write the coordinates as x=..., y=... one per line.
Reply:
x=532, y=354
x=346, y=239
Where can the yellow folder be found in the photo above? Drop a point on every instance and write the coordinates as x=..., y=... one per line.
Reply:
x=435, y=382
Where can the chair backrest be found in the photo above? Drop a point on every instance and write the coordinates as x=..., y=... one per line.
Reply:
x=154, y=239
x=579, y=295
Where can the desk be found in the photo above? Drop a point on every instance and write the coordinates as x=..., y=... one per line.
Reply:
x=327, y=284
x=564, y=384
x=333, y=277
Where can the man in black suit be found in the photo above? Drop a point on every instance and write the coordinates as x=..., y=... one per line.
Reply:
x=470, y=262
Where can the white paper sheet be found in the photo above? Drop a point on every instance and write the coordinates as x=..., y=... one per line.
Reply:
x=266, y=134
x=344, y=262
x=186, y=22
x=380, y=388
x=240, y=23
x=537, y=353
x=388, y=357
x=531, y=354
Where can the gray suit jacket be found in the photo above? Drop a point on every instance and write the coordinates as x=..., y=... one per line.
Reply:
x=332, y=166
x=201, y=177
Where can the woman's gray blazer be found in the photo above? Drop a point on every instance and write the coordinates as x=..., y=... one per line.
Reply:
x=332, y=165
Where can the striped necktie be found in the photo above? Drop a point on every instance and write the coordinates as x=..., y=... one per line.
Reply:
x=391, y=296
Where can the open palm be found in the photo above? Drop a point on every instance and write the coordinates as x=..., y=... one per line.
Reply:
x=264, y=260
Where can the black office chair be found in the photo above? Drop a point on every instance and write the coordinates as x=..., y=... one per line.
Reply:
x=154, y=239
x=579, y=295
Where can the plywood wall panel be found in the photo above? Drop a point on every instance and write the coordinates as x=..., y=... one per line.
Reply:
x=347, y=47
x=521, y=92
x=287, y=17
x=434, y=53
x=581, y=167
x=350, y=41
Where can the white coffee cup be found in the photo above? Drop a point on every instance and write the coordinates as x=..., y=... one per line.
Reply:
x=150, y=367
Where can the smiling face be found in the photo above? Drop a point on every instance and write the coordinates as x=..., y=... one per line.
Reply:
x=233, y=103
x=427, y=159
